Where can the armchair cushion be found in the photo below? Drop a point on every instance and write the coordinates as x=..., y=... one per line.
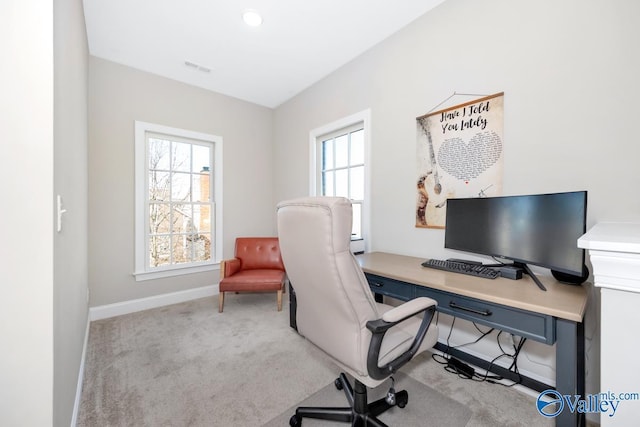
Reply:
x=253, y=281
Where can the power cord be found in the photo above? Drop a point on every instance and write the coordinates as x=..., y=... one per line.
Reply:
x=465, y=371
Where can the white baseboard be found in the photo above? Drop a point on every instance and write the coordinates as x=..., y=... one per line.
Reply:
x=76, y=404
x=132, y=306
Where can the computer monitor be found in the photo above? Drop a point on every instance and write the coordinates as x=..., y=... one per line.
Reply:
x=538, y=229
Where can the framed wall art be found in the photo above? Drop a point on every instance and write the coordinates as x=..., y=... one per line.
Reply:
x=460, y=154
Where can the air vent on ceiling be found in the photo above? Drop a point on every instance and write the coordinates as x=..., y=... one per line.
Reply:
x=197, y=66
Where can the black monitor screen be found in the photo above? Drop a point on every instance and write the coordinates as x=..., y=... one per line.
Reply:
x=540, y=229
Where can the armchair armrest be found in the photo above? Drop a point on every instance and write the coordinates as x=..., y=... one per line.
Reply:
x=229, y=267
x=388, y=320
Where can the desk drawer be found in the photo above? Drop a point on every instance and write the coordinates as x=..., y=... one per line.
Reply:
x=390, y=287
x=538, y=327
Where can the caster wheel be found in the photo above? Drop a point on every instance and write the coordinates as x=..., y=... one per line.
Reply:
x=295, y=421
x=402, y=398
x=338, y=384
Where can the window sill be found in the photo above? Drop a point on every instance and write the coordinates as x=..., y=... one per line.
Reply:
x=357, y=245
x=176, y=271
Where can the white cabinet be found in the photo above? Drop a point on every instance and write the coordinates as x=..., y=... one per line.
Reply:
x=614, y=250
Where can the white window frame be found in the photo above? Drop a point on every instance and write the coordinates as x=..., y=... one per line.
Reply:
x=315, y=168
x=142, y=270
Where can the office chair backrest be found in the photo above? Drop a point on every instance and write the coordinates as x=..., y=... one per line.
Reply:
x=334, y=301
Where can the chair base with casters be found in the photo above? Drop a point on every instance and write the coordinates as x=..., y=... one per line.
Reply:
x=359, y=413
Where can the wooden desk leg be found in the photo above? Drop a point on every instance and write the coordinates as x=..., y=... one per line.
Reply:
x=570, y=368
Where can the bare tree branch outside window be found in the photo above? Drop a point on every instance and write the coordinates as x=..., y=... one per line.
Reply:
x=179, y=202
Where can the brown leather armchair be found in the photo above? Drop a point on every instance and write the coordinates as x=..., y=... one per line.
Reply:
x=256, y=267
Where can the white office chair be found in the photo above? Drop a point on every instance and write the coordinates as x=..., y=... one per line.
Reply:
x=336, y=310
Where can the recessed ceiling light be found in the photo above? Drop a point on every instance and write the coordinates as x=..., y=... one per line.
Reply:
x=252, y=18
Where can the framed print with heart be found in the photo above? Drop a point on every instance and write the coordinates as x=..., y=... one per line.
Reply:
x=460, y=154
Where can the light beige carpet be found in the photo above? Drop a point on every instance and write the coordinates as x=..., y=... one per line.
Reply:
x=188, y=365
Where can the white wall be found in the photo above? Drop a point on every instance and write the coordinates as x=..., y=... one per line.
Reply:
x=118, y=96
x=26, y=235
x=569, y=73
x=71, y=63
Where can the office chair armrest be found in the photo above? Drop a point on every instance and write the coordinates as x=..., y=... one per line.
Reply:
x=408, y=309
x=379, y=327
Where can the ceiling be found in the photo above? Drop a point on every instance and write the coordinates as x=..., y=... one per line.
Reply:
x=299, y=42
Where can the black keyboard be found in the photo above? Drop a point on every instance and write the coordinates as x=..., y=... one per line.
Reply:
x=471, y=269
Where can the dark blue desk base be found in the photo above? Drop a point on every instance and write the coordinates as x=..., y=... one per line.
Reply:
x=567, y=335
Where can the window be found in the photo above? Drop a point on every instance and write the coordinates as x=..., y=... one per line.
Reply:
x=342, y=170
x=178, y=213
x=339, y=165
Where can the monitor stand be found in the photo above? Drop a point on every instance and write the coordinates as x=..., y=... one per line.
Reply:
x=527, y=270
